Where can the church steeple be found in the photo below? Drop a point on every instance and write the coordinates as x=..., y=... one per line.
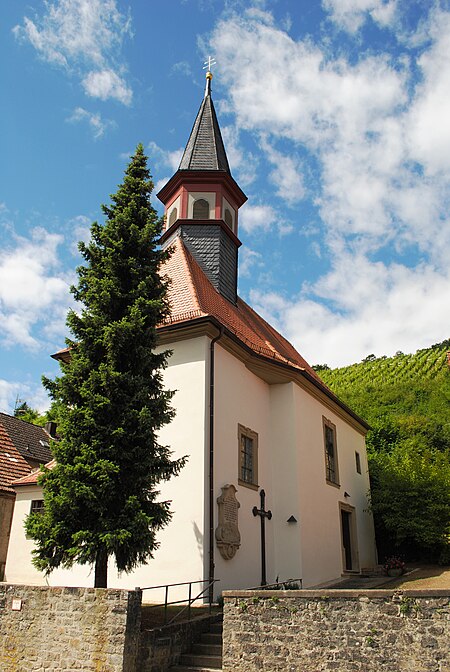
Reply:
x=205, y=149
x=202, y=201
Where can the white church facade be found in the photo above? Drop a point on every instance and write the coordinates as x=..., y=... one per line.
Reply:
x=251, y=415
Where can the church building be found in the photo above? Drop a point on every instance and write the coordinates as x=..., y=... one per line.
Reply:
x=276, y=483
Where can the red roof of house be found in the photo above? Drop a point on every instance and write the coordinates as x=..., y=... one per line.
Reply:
x=192, y=295
x=32, y=441
x=31, y=479
x=12, y=464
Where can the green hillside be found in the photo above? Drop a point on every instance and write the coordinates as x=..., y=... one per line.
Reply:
x=373, y=385
x=406, y=400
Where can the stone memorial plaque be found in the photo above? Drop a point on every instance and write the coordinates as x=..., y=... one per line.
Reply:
x=228, y=538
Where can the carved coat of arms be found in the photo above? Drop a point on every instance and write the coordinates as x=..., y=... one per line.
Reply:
x=228, y=538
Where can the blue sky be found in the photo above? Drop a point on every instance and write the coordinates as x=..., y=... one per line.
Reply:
x=336, y=120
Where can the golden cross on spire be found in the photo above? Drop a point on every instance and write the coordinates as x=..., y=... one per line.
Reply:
x=207, y=66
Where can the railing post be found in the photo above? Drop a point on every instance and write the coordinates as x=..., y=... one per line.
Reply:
x=165, y=604
x=189, y=608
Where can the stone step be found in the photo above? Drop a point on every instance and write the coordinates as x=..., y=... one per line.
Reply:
x=216, y=628
x=211, y=638
x=207, y=649
x=193, y=660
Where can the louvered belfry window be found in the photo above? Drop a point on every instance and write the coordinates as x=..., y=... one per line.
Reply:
x=201, y=209
x=173, y=217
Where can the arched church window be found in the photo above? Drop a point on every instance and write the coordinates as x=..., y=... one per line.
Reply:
x=173, y=217
x=228, y=218
x=201, y=209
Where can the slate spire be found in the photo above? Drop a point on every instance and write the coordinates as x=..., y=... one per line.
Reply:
x=202, y=201
x=205, y=149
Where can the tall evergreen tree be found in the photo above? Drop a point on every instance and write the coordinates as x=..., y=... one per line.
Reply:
x=101, y=498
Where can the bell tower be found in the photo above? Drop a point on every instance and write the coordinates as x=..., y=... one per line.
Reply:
x=202, y=201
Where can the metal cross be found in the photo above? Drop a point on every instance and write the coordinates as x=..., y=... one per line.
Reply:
x=263, y=515
x=209, y=63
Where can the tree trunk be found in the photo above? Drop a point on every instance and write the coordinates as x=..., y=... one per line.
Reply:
x=101, y=569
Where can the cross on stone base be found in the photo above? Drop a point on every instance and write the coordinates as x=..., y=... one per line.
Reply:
x=263, y=514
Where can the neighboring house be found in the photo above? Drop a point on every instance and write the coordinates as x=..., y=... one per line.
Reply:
x=250, y=413
x=23, y=447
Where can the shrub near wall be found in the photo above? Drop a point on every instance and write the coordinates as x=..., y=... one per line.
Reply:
x=59, y=629
x=336, y=630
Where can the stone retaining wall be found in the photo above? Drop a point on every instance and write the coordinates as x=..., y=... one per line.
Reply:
x=59, y=629
x=336, y=631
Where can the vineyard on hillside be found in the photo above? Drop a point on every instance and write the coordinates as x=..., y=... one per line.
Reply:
x=406, y=401
x=429, y=363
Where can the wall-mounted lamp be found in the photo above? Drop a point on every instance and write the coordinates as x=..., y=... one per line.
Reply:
x=291, y=519
x=346, y=494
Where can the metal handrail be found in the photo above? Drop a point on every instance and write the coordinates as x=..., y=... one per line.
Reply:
x=190, y=600
x=275, y=586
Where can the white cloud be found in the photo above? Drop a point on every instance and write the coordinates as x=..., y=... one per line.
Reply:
x=164, y=157
x=242, y=164
x=34, y=394
x=105, y=84
x=32, y=287
x=182, y=67
x=380, y=144
x=248, y=260
x=378, y=136
x=159, y=160
x=80, y=228
x=8, y=393
x=262, y=218
x=428, y=128
x=97, y=125
x=362, y=307
x=286, y=176
x=83, y=36
x=256, y=217
x=350, y=15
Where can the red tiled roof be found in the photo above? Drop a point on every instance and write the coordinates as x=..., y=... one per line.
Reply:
x=31, y=441
x=12, y=464
x=192, y=295
x=31, y=479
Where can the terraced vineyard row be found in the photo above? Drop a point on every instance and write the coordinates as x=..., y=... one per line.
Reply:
x=429, y=363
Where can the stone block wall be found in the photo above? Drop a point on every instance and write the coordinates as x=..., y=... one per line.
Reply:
x=57, y=629
x=336, y=631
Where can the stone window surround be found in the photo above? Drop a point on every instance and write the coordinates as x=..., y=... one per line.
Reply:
x=249, y=433
x=330, y=425
x=208, y=196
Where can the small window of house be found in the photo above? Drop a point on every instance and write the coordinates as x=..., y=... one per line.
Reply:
x=331, y=464
x=37, y=506
x=358, y=462
x=248, y=457
x=173, y=216
x=201, y=209
x=228, y=218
